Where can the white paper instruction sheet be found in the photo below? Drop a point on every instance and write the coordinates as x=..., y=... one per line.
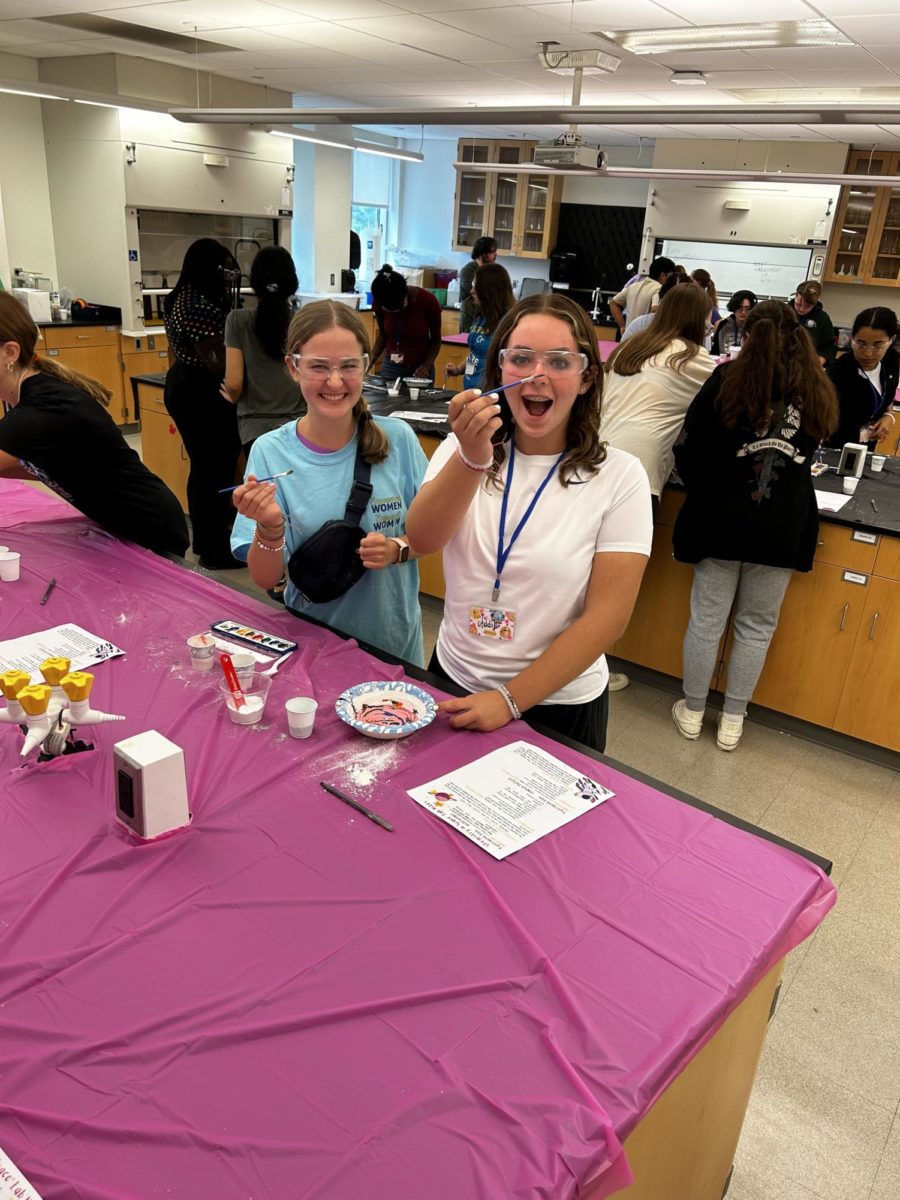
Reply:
x=26, y=653
x=510, y=797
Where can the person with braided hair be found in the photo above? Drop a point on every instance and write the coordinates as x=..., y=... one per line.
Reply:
x=750, y=517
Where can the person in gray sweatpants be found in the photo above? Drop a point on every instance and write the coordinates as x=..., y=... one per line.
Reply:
x=750, y=518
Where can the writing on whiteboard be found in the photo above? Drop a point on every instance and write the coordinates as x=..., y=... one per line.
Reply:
x=767, y=270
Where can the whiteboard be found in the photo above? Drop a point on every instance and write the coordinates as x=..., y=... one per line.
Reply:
x=769, y=271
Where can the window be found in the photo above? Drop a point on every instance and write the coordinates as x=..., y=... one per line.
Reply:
x=368, y=216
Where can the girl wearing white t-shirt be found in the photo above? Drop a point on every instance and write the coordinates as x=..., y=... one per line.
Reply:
x=545, y=536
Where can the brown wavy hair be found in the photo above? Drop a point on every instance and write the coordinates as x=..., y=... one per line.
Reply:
x=494, y=292
x=319, y=317
x=584, y=451
x=17, y=326
x=703, y=279
x=681, y=316
x=777, y=366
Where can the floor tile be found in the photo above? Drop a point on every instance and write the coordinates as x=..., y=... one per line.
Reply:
x=802, y=1126
x=870, y=890
x=818, y=822
x=749, y=1183
x=841, y=1026
x=887, y=1181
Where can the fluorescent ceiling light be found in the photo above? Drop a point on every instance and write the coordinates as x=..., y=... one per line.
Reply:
x=35, y=95
x=363, y=148
x=98, y=103
x=388, y=151
x=309, y=137
x=882, y=95
x=688, y=78
x=728, y=37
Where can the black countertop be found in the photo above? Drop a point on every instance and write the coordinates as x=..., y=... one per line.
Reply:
x=875, y=508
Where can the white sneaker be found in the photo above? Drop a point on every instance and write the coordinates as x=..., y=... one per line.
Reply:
x=618, y=681
x=729, y=731
x=688, y=723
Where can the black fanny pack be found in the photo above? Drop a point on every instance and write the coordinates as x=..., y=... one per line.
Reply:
x=327, y=564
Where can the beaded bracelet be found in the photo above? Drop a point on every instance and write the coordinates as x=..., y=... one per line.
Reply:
x=271, y=549
x=510, y=702
x=470, y=466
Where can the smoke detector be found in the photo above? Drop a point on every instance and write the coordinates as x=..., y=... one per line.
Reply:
x=567, y=62
x=688, y=78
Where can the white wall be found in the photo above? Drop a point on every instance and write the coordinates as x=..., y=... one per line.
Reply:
x=323, y=188
x=26, y=228
x=842, y=301
x=87, y=197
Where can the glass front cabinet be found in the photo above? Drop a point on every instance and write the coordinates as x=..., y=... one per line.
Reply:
x=520, y=211
x=865, y=242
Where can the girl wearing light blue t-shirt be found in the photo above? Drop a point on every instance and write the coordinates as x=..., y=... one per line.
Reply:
x=328, y=353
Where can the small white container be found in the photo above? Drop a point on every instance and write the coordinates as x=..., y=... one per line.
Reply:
x=877, y=462
x=850, y=483
x=301, y=715
x=10, y=563
x=244, y=665
x=202, y=649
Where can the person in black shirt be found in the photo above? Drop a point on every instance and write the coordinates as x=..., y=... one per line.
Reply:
x=57, y=430
x=194, y=315
x=866, y=379
x=750, y=517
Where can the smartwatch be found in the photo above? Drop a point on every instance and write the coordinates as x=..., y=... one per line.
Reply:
x=404, y=550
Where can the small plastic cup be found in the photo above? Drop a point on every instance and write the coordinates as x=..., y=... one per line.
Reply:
x=244, y=665
x=202, y=649
x=877, y=462
x=251, y=711
x=301, y=715
x=9, y=566
x=849, y=485
x=4, y=549
x=734, y=351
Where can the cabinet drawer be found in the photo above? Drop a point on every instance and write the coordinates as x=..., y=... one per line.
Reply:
x=150, y=399
x=63, y=337
x=836, y=546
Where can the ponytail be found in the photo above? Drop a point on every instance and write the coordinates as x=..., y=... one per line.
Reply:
x=372, y=438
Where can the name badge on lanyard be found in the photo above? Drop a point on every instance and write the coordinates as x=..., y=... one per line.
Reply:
x=491, y=620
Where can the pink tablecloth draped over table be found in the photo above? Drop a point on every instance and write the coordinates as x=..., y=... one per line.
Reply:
x=284, y=1001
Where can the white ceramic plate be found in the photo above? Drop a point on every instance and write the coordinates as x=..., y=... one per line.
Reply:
x=386, y=710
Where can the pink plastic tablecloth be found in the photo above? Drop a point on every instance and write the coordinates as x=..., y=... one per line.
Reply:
x=286, y=1001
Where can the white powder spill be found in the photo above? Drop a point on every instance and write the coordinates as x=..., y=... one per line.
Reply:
x=363, y=767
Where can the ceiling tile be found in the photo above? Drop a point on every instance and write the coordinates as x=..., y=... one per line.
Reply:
x=848, y=8
x=590, y=15
x=872, y=31
x=713, y=12
x=338, y=10
x=705, y=60
x=784, y=58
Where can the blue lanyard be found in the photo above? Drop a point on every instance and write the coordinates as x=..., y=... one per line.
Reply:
x=503, y=555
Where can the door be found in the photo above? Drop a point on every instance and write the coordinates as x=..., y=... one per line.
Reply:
x=810, y=652
x=866, y=710
x=103, y=364
x=163, y=451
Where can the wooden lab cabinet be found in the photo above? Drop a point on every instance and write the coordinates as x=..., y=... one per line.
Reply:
x=431, y=567
x=521, y=211
x=837, y=644
x=865, y=245
x=162, y=449
x=144, y=354
x=92, y=350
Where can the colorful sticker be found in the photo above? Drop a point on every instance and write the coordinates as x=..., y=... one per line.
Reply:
x=492, y=623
